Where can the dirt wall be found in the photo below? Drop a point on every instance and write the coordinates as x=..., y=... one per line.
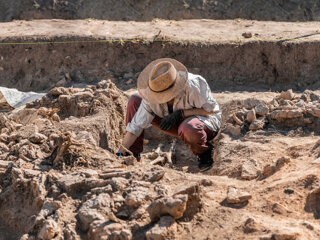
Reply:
x=146, y=10
x=230, y=66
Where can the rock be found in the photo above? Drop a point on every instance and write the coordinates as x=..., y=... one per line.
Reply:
x=307, y=225
x=168, y=206
x=189, y=190
x=250, y=170
x=38, y=138
x=73, y=183
x=280, y=209
x=251, y=225
x=154, y=174
x=49, y=230
x=286, y=114
x=287, y=95
x=164, y=229
x=234, y=131
x=251, y=115
x=261, y=109
x=108, y=230
x=247, y=35
x=235, y=196
x=314, y=112
x=285, y=236
x=87, y=216
x=257, y=124
x=137, y=196
x=70, y=182
x=93, y=209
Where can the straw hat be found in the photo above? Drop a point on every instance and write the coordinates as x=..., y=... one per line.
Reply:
x=162, y=80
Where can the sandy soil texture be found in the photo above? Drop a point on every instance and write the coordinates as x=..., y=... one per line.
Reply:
x=60, y=178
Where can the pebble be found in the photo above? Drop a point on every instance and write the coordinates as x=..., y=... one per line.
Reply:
x=235, y=196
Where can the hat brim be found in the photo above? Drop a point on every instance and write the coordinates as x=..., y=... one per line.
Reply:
x=166, y=96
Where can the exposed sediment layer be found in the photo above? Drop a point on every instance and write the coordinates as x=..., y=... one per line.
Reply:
x=146, y=10
x=273, y=58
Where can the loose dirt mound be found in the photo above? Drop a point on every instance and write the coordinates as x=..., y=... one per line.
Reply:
x=60, y=178
x=146, y=10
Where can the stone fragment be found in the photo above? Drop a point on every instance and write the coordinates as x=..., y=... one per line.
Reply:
x=287, y=95
x=93, y=209
x=257, y=124
x=102, y=230
x=250, y=170
x=285, y=236
x=49, y=230
x=251, y=115
x=314, y=112
x=168, y=206
x=164, y=229
x=137, y=195
x=247, y=35
x=307, y=225
x=189, y=189
x=280, y=209
x=286, y=114
x=251, y=225
x=261, y=109
x=87, y=216
x=154, y=174
x=234, y=131
x=235, y=196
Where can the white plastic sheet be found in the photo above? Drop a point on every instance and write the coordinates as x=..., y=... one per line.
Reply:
x=17, y=98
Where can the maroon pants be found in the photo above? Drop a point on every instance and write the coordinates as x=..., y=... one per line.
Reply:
x=191, y=130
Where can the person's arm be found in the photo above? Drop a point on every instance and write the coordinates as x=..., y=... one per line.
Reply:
x=196, y=111
x=142, y=119
x=127, y=141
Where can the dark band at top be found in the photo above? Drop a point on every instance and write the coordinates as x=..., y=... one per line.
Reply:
x=163, y=89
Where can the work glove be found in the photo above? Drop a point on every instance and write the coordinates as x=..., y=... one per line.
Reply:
x=172, y=119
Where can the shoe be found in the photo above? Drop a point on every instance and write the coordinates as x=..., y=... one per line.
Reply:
x=206, y=159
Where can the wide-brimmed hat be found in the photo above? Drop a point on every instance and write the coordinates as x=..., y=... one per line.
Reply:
x=162, y=80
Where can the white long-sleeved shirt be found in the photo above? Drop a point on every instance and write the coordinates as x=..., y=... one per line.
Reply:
x=197, y=94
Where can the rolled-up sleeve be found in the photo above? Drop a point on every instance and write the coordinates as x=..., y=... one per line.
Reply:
x=141, y=119
x=201, y=95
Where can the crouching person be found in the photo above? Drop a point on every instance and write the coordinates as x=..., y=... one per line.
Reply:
x=178, y=103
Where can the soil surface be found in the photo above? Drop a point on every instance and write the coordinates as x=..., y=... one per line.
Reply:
x=60, y=178
x=146, y=10
x=232, y=55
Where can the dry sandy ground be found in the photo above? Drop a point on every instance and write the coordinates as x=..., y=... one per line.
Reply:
x=58, y=185
x=202, y=30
